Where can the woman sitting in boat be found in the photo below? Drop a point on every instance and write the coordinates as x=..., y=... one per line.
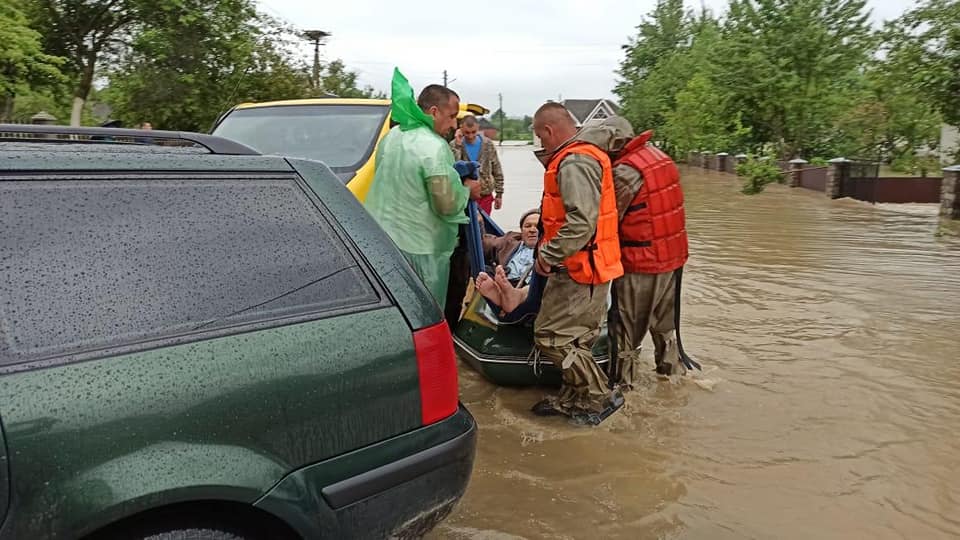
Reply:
x=515, y=289
x=515, y=250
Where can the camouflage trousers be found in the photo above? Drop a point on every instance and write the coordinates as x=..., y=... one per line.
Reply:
x=566, y=328
x=646, y=303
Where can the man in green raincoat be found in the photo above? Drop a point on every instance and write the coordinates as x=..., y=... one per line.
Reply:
x=417, y=195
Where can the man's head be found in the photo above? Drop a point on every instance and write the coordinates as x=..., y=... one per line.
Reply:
x=554, y=126
x=443, y=105
x=529, y=233
x=470, y=128
x=146, y=125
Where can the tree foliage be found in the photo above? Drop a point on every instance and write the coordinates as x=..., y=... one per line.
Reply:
x=923, y=47
x=24, y=67
x=191, y=59
x=85, y=33
x=176, y=63
x=802, y=78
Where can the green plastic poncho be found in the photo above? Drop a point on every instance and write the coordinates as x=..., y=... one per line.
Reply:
x=417, y=196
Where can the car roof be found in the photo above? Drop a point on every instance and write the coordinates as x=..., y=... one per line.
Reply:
x=62, y=148
x=88, y=157
x=315, y=101
x=465, y=108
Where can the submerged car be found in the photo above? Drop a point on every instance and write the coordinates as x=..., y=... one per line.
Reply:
x=199, y=341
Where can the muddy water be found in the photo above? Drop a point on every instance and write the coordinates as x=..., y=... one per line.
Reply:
x=829, y=405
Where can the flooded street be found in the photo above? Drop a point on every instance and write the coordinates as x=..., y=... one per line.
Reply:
x=829, y=404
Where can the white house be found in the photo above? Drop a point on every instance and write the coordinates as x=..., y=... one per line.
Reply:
x=585, y=110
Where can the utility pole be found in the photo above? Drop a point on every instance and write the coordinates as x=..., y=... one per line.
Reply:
x=316, y=36
x=502, y=114
x=444, y=78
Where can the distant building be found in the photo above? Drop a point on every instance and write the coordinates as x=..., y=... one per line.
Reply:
x=489, y=130
x=587, y=111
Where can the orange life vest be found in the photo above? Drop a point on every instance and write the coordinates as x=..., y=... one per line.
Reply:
x=599, y=261
x=653, y=235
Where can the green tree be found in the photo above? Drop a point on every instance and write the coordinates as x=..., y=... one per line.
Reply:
x=336, y=79
x=85, y=33
x=24, y=67
x=700, y=120
x=792, y=66
x=191, y=60
x=890, y=119
x=650, y=74
x=924, y=47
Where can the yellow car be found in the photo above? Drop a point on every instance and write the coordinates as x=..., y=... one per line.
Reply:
x=342, y=133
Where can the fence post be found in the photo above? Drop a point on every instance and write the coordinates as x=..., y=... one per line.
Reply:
x=950, y=193
x=722, y=161
x=43, y=118
x=796, y=171
x=835, y=173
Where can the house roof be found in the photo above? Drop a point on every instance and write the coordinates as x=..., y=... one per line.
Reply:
x=581, y=108
x=486, y=124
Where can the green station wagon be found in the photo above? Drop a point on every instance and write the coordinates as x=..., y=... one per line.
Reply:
x=197, y=341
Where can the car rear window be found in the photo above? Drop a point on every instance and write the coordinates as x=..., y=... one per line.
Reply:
x=94, y=264
x=341, y=136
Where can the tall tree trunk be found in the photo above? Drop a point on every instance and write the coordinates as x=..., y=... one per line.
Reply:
x=6, y=113
x=77, y=111
x=83, y=88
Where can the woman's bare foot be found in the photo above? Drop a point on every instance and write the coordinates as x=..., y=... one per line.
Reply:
x=510, y=296
x=488, y=287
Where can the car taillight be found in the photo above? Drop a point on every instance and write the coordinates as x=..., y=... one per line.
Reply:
x=437, y=364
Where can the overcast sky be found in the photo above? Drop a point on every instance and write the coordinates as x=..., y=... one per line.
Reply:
x=529, y=51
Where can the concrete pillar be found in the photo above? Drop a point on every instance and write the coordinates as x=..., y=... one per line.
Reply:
x=796, y=171
x=43, y=118
x=722, y=161
x=838, y=167
x=950, y=193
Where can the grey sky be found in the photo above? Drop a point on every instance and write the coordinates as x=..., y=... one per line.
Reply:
x=530, y=51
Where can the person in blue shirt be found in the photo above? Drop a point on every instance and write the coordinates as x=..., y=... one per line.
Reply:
x=471, y=145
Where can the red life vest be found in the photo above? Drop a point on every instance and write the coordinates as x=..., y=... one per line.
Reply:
x=653, y=235
x=599, y=261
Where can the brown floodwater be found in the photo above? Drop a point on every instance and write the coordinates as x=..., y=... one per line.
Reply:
x=829, y=404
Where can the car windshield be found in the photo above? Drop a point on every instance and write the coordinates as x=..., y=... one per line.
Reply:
x=341, y=136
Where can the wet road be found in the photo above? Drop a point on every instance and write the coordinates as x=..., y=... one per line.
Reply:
x=829, y=405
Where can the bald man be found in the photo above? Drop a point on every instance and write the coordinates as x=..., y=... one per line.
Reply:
x=580, y=253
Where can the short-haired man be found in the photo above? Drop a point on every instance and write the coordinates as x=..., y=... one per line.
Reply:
x=417, y=195
x=473, y=146
x=580, y=252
